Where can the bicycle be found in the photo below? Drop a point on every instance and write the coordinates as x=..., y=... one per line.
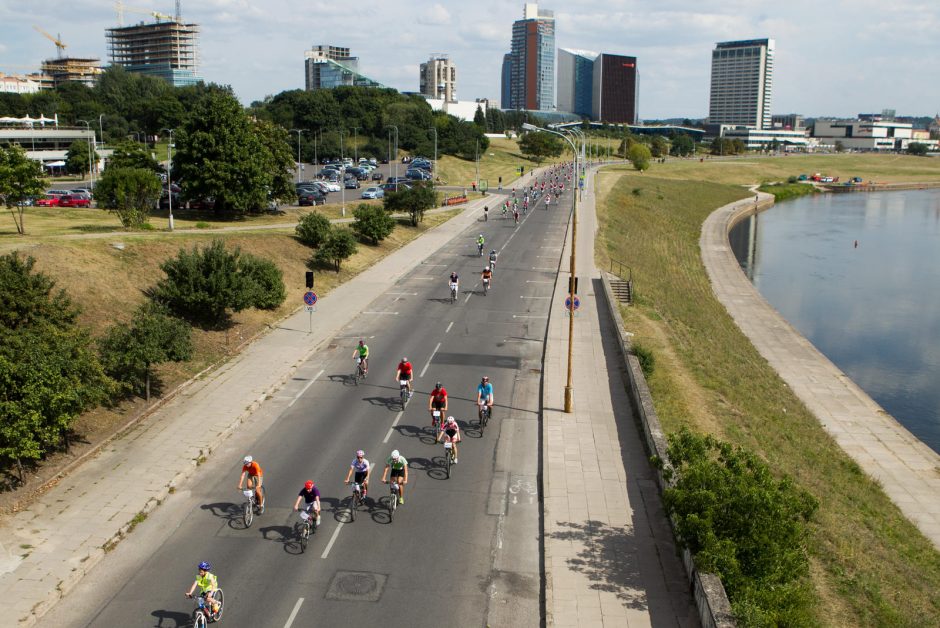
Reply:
x=203, y=615
x=448, y=456
x=304, y=529
x=392, y=499
x=360, y=370
x=453, y=293
x=436, y=419
x=480, y=249
x=355, y=500
x=251, y=504
x=486, y=286
x=485, y=411
x=403, y=393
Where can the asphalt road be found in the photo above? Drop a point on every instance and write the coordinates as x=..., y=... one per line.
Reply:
x=461, y=551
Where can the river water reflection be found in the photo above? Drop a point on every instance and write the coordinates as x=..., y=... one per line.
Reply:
x=872, y=308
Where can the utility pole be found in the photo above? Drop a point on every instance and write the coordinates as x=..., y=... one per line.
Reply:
x=298, y=132
x=169, y=176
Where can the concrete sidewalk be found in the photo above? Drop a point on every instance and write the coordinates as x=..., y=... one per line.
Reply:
x=610, y=556
x=48, y=547
x=907, y=469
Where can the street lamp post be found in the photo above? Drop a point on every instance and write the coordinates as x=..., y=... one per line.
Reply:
x=569, y=388
x=392, y=126
x=355, y=146
x=434, y=128
x=169, y=176
x=91, y=175
x=476, y=158
x=298, y=132
x=342, y=172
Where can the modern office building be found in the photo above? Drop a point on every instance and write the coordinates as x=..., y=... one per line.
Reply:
x=576, y=81
x=615, y=88
x=505, y=81
x=326, y=67
x=532, y=67
x=439, y=78
x=166, y=49
x=741, y=84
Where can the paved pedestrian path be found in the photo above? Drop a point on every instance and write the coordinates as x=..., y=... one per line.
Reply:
x=610, y=557
x=908, y=470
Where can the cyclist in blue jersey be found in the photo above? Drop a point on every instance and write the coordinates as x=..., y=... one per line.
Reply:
x=484, y=396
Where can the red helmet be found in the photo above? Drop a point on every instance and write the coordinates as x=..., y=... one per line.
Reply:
x=308, y=484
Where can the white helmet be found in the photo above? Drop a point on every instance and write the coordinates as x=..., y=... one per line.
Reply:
x=248, y=459
x=395, y=455
x=451, y=419
x=486, y=268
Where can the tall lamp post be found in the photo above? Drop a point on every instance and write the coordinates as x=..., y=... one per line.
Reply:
x=342, y=171
x=569, y=388
x=91, y=175
x=434, y=128
x=395, y=154
x=169, y=176
x=355, y=146
x=298, y=132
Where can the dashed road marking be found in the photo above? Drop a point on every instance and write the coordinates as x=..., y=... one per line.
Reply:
x=304, y=389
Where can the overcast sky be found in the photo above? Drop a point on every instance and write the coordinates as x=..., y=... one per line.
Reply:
x=834, y=57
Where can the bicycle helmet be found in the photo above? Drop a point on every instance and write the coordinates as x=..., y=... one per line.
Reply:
x=493, y=251
x=395, y=455
x=360, y=454
x=404, y=359
x=486, y=268
x=451, y=419
x=438, y=386
x=308, y=484
x=486, y=378
x=205, y=566
x=248, y=459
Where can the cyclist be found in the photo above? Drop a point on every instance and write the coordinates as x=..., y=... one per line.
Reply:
x=453, y=281
x=548, y=200
x=515, y=214
x=450, y=432
x=493, y=256
x=484, y=396
x=487, y=277
x=437, y=400
x=486, y=213
x=399, y=468
x=252, y=470
x=208, y=584
x=480, y=242
x=311, y=496
x=406, y=372
x=362, y=352
x=361, y=467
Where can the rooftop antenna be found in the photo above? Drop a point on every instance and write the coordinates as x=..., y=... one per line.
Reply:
x=178, y=12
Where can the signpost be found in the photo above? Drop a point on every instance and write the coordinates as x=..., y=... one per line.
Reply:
x=310, y=302
x=577, y=304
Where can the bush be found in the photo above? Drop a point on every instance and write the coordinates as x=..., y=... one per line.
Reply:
x=339, y=246
x=373, y=223
x=744, y=525
x=646, y=359
x=414, y=201
x=267, y=280
x=793, y=179
x=130, y=193
x=313, y=229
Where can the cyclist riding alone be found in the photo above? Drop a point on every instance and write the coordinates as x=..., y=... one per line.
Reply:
x=399, y=468
x=362, y=352
x=493, y=256
x=451, y=434
x=311, y=496
x=485, y=396
x=454, y=280
x=486, y=213
x=255, y=476
x=480, y=242
x=437, y=401
x=487, y=275
x=208, y=584
x=404, y=371
x=361, y=467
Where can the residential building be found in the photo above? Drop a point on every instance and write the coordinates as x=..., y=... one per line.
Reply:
x=742, y=83
x=615, y=88
x=326, y=67
x=166, y=49
x=439, y=78
x=532, y=70
x=872, y=133
x=505, y=81
x=576, y=81
x=19, y=84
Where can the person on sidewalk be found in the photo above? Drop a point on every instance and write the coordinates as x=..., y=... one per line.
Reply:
x=398, y=465
x=362, y=352
x=405, y=372
x=437, y=401
x=484, y=396
x=361, y=467
x=450, y=432
x=208, y=584
x=252, y=471
x=311, y=496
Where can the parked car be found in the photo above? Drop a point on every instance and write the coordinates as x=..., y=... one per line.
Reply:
x=352, y=183
x=424, y=164
x=377, y=176
x=69, y=200
x=82, y=192
x=802, y=177
x=48, y=200
x=373, y=193
x=390, y=187
x=310, y=196
x=417, y=174
x=372, y=161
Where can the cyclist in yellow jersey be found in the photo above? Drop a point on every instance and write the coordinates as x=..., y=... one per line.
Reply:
x=362, y=352
x=208, y=584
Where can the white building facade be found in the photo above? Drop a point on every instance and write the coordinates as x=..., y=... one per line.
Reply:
x=438, y=78
x=742, y=83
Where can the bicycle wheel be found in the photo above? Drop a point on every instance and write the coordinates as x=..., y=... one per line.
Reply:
x=448, y=460
x=249, y=513
x=392, y=505
x=404, y=397
x=221, y=600
x=304, y=536
x=199, y=620
x=353, y=505
x=482, y=422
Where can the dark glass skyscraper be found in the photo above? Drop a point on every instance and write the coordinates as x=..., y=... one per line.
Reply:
x=616, y=85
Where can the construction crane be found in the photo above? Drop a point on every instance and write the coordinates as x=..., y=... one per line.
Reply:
x=121, y=7
x=60, y=47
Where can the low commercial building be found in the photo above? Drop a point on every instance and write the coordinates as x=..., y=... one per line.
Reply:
x=326, y=67
x=462, y=109
x=42, y=138
x=866, y=135
x=766, y=139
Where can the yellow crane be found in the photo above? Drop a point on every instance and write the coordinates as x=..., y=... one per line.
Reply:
x=60, y=47
x=121, y=7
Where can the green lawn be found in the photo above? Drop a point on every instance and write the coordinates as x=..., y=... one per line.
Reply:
x=869, y=565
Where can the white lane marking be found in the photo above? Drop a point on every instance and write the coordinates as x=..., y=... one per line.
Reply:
x=428, y=363
x=534, y=281
x=449, y=326
x=522, y=316
x=304, y=389
x=352, y=337
x=293, y=613
x=522, y=297
x=414, y=294
x=390, y=313
x=394, y=424
x=329, y=545
x=469, y=292
x=426, y=278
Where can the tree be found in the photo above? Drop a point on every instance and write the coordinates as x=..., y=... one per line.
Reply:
x=128, y=351
x=625, y=145
x=479, y=118
x=278, y=160
x=538, y=145
x=338, y=246
x=76, y=159
x=130, y=193
x=265, y=281
x=917, y=148
x=682, y=145
x=48, y=373
x=639, y=155
x=20, y=179
x=313, y=229
x=415, y=202
x=659, y=146
x=372, y=223
x=132, y=155
x=839, y=146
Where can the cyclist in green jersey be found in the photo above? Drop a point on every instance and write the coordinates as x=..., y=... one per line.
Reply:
x=362, y=352
x=208, y=584
x=399, y=468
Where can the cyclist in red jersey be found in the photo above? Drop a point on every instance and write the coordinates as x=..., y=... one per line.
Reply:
x=438, y=401
x=405, y=371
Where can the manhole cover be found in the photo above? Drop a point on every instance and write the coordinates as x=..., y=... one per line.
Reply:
x=356, y=586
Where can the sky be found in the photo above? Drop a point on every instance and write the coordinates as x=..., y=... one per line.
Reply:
x=833, y=57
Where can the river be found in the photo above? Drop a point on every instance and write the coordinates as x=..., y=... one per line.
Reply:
x=858, y=274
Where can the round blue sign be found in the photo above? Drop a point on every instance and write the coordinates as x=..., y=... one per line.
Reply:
x=310, y=298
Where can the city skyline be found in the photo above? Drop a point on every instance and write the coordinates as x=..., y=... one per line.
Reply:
x=259, y=50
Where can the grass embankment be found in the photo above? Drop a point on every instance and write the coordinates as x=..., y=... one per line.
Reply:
x=785, y=191
x=108, y=284
x=501, y=159
x=869, y=565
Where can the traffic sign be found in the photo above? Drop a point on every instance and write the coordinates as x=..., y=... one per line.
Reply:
x=310, y=298
x=577, y=302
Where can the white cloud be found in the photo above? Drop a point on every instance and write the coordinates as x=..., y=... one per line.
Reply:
x=437, y=15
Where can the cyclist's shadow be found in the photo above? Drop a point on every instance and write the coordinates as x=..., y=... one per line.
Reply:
x=228, y=511
x=426, y=434
x=344, y=379
x=172, y=619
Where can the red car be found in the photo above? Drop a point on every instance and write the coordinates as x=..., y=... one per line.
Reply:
x=70, y=200
x=49, y=200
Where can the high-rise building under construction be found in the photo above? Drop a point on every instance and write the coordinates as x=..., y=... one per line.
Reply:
x=166, y=49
